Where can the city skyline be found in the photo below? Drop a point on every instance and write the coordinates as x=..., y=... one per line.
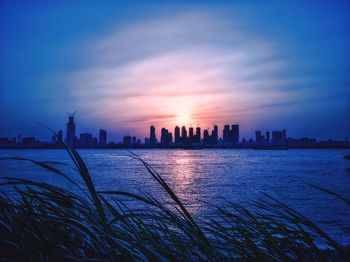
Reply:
x=180, y=137
x=127, y=66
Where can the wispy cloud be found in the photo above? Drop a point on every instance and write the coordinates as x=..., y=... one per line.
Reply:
x=192, y=68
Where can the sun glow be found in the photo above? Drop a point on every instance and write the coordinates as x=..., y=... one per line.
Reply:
x=183, y=118
x=191, y=85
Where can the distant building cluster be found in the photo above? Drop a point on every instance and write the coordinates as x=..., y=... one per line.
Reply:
x=180, y=138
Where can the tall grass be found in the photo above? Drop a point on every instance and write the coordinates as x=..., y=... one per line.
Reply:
x=40, y=221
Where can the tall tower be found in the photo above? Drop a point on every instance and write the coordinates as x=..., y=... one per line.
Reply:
x=103, y=137
x=215, y=135
x=226, y=134
x=190, y=135
x=70, y=135
x=152, y=137
x=177, y=135
x=198, y=134
x=258, y=137
x=235, y=134
x=183, y=134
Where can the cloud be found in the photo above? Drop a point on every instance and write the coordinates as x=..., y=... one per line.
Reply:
x=192, y=68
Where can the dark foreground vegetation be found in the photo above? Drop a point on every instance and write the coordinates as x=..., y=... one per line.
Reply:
x=41, y=222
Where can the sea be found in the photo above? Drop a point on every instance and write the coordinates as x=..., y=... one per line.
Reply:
x=203, y=178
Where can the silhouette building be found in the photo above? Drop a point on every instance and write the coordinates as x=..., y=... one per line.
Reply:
x=190, y=134
x=230, y=137
x=206, y=137
x=70, y=135
x=258, y=137
x=164, y=136
x=177, y=135
x=226, y=134
x=235, y=134
x=152, y=138
x=215, y=135
x=198, y=135
x=183, y=135
x=103, y=137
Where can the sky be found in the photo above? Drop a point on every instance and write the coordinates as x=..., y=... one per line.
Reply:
x=126, y=65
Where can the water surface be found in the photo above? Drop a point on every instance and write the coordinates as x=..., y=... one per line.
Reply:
x=211, y=175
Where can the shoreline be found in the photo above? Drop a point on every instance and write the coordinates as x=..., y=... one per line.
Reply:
x=117, y=147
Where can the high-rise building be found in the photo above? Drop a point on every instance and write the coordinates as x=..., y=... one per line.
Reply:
x=258, y=137
x=103, y=137
x=170, y=138
x=183, y=135
x=164, y=136
x=226, y=134
x=284, y=135
x=70, y=135
x=198, y=134
x=215, y=135
x=235, y=134
x=152, y=137
x=191, y=138
x=177, y=135
x=206, y=137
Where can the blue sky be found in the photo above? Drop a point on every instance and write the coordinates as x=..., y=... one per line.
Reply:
x=125, y=65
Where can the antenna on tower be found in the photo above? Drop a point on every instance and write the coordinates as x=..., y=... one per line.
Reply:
x=72, y=114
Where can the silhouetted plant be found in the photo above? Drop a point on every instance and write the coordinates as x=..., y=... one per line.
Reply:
x=40, y=221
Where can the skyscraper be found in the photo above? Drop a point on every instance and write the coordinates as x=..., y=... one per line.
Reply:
x=206, y=137
x=198, y=134
x=183, y=135
x=177, y=135
x=226, y=134
x=103, y=137
x=235, y=134
x=164, y=136
x=190, y=131
x=215, y=135
x=152, y=137
x=70, y=135
x=170, y=138
x=258, y=137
